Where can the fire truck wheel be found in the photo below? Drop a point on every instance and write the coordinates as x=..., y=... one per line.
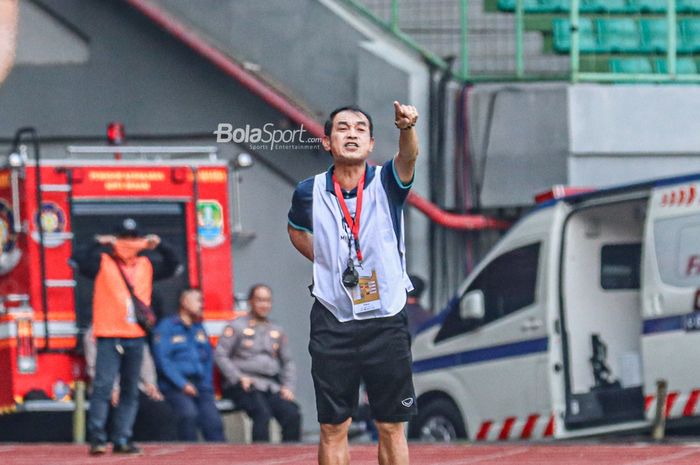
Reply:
x=438, y=420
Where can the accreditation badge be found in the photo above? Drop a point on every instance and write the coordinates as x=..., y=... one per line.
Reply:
x=365, y=296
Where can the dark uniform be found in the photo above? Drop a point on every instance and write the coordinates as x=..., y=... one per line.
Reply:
x=259, y=350
x=184, y=355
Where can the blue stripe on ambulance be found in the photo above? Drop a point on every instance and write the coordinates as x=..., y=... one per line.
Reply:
x=664, y=324
x=514, y=349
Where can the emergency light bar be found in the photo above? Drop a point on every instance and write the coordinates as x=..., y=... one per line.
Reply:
x=559, y=192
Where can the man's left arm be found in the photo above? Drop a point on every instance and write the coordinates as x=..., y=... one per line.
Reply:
x=289, y=372
x=161, y=351
x=169, y=265
x=208, y=362
x=405, y=117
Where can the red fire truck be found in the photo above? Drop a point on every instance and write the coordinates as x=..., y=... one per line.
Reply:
x=50, y=207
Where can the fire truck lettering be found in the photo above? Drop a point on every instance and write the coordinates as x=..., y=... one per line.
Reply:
x=4, y=180
x=209, y=176
x=126, y=175
x=127, y=186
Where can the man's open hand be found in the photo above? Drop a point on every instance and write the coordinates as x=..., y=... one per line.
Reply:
x=286, y=393
x=246, y=383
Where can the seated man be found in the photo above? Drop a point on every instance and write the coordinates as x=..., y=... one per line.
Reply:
x=184, y=360
x=258, y=372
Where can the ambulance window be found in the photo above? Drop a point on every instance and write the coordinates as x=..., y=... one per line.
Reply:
x=678, y=250
x=619, y=266
x=508, y=283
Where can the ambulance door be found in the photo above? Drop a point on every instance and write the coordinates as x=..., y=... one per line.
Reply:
x=600, y=314
x=671, y=294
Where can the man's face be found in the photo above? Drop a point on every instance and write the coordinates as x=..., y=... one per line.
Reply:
x=191, y=302
x=350, y=141
x=261, y=302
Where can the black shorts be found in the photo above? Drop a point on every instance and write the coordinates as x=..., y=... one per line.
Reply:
x=375, y=351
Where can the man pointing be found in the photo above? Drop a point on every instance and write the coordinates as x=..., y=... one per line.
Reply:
x=349, y=222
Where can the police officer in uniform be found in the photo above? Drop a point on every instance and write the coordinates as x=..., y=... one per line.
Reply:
x=258, y=372
x=185, y=363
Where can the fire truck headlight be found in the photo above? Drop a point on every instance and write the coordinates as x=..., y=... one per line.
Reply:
x=61, y=391
x=15, y=160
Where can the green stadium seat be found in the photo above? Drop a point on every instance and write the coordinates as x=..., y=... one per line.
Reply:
x=651, y=6
x=607, y=6
x=536, y=6
x=601, y=6
x=562, y=36
x=690, y=31
x=630, y=66
x=655, y=36
x=564, y=6
x=683, y=66
x=688, y=6
x=619, y=35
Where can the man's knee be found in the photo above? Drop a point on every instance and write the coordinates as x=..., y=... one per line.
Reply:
x=260, y=412
x=187, y=415
x=390, y=429
x=290, y=415
x=335, y=433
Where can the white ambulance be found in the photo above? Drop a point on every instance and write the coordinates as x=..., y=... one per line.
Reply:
x=567, y=324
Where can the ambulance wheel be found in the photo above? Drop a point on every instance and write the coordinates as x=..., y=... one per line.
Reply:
x=437, y=421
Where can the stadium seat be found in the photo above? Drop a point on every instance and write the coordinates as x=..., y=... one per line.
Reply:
x=562, y=36
x=683, y=66
x=619, y=35
x=607, y=6
x=690, y=31
x=655, y=36
x=688, y=6
x=651, y=6
x=630, y=66
x=536, y=6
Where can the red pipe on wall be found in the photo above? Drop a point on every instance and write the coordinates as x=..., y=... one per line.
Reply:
x=282, y=104
x=453, y=220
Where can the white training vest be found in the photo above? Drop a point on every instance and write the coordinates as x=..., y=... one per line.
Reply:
x=379, y=247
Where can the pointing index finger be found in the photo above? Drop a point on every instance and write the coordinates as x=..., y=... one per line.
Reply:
x=397, y=109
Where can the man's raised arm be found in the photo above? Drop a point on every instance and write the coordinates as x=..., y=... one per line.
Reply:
x=405, y=117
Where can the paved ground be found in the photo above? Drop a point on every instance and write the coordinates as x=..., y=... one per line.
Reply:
x=421, y=454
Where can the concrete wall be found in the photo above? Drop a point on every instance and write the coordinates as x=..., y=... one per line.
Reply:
x=518, y=141
x=526, y=138
x=622, y=134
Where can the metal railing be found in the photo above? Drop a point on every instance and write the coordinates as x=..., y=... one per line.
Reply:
x=439, y=29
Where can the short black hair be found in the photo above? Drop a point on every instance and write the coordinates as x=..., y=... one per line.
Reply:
x=255, y=287
x=354, y=108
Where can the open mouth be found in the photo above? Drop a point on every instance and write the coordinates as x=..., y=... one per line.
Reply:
x=351, y=145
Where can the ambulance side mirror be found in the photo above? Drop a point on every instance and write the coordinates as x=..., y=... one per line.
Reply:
x=471, y=306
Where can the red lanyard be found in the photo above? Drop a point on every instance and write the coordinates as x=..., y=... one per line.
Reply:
x=353, y=223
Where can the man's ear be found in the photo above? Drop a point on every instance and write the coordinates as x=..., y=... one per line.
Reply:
x=371, y=144
x=326, y=141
